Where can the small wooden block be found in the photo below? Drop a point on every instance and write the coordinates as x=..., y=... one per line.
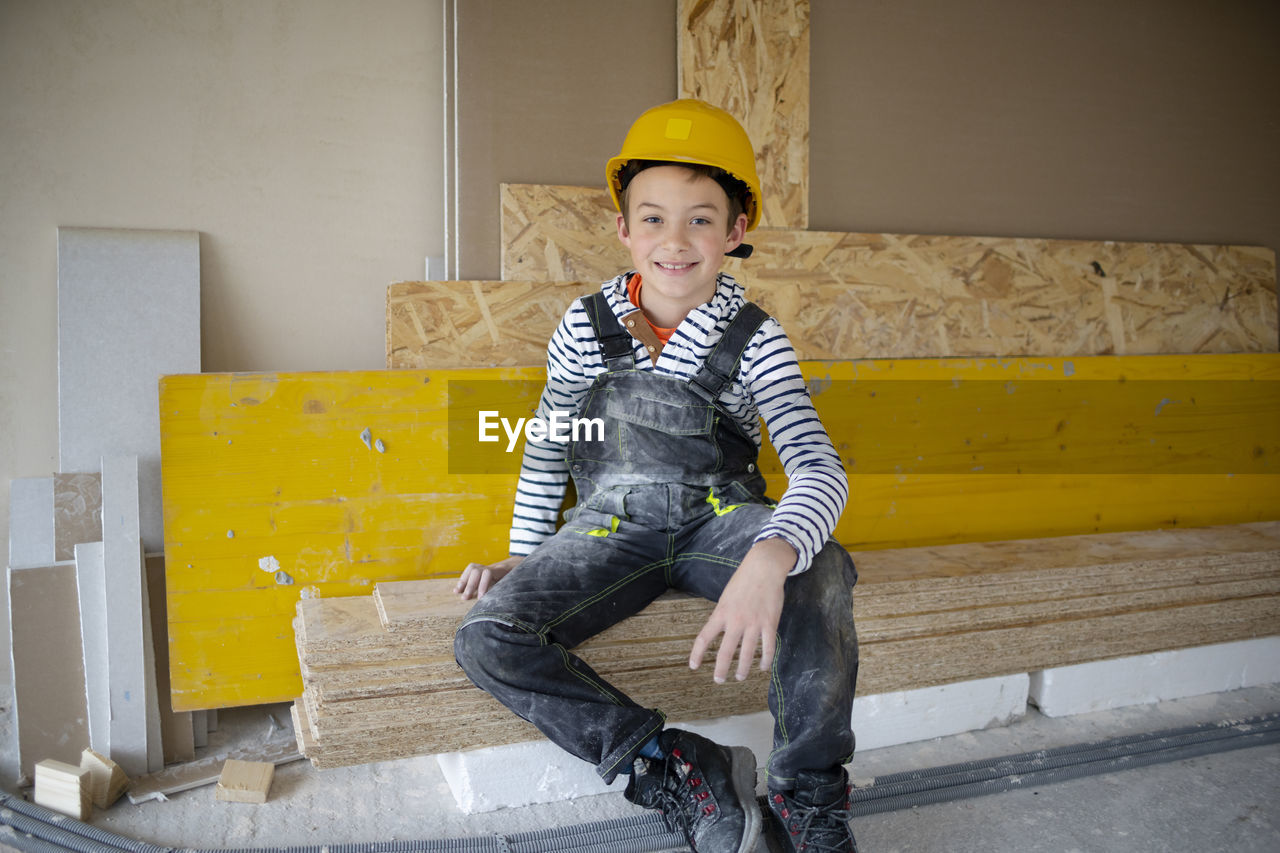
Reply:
x=245, y=781
x=64, y=788
x=107, y=780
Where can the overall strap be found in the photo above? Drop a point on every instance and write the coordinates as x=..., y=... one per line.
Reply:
x=616, y=347
x=720, y=366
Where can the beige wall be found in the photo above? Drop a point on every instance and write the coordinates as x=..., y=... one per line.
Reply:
x=550, y=109
x=301, y=138
x=1096, y=119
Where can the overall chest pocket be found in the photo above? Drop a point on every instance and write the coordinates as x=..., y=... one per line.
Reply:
x=666, y=434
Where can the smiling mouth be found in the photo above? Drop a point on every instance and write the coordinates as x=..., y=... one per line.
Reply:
x=672, y=267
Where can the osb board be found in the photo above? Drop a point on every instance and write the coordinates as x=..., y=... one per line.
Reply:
x=468, y=718
x=665, y=681
x=448, y=324
x=751, y=58
x=913, y=296
x=1131, y=593
x=962, y=587
x=271, y=492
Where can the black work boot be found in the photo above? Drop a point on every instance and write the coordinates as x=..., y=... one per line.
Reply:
x=705, y=790
x=815, y=816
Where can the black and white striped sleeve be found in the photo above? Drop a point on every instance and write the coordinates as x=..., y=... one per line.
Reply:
x=817, y=486
x=573, y=359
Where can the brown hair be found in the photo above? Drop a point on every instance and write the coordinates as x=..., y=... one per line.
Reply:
x=737, y=191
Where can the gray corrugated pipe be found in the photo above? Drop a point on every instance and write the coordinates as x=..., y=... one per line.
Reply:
x=976, y=778
x=34, y=829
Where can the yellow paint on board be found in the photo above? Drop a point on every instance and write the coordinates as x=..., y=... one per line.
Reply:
x=284, y=461
x=963, y=450
x=280, y=460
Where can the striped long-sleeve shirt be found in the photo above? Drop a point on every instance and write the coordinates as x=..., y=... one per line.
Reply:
x=768, y=385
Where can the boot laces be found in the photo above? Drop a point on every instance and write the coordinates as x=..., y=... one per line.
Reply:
x=684, y=798
x=823, y=829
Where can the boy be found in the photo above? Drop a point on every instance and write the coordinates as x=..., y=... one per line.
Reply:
x=680, y=368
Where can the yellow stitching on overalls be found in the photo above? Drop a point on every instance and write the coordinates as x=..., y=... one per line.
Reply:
x=564, y=659
x=587, y=602
x=715, y=503
x=710, y=558
x=780, y=720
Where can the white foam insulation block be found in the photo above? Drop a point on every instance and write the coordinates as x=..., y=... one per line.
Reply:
x=1158, y=677
x=484, y=780
x=908, y=716
x=128, y=313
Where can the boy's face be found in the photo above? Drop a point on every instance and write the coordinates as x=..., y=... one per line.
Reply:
x=678, y=232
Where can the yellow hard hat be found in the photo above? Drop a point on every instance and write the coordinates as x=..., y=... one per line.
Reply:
x=690, y=131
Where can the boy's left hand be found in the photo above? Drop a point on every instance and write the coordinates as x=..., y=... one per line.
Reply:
x=748, y=611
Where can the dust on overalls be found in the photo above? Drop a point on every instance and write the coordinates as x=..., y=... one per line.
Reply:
x=670, y=499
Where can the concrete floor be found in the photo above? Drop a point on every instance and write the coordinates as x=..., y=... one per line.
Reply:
x=1223, y=802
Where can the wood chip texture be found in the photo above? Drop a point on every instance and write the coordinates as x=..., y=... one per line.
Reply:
x=926, y=616
x=751, y=58
x=851, y=295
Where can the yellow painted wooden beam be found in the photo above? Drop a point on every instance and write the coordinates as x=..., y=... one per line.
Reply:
x=278, y=486
x=271, y=493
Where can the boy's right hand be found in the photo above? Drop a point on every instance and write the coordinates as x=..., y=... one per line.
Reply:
x=478, y=577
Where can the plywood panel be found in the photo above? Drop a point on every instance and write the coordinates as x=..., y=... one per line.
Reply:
x=751, y=58
x=910, y=296
x=448, y=324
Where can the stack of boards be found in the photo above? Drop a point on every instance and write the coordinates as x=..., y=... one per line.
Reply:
x=381, y=682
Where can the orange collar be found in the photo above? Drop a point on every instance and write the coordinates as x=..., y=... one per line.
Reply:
x=633, y=294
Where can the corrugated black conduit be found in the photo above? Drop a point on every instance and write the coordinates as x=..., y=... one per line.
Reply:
x=34, y=829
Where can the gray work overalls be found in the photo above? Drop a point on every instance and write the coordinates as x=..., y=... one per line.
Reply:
x=671, y=498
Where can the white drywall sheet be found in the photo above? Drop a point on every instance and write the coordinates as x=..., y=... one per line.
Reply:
x=48, y=676
x=91, y=586
x=135, y=712
x=128, y=313
x=31, y=536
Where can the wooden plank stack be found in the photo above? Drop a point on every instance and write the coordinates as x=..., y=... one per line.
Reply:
x=381, y=682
